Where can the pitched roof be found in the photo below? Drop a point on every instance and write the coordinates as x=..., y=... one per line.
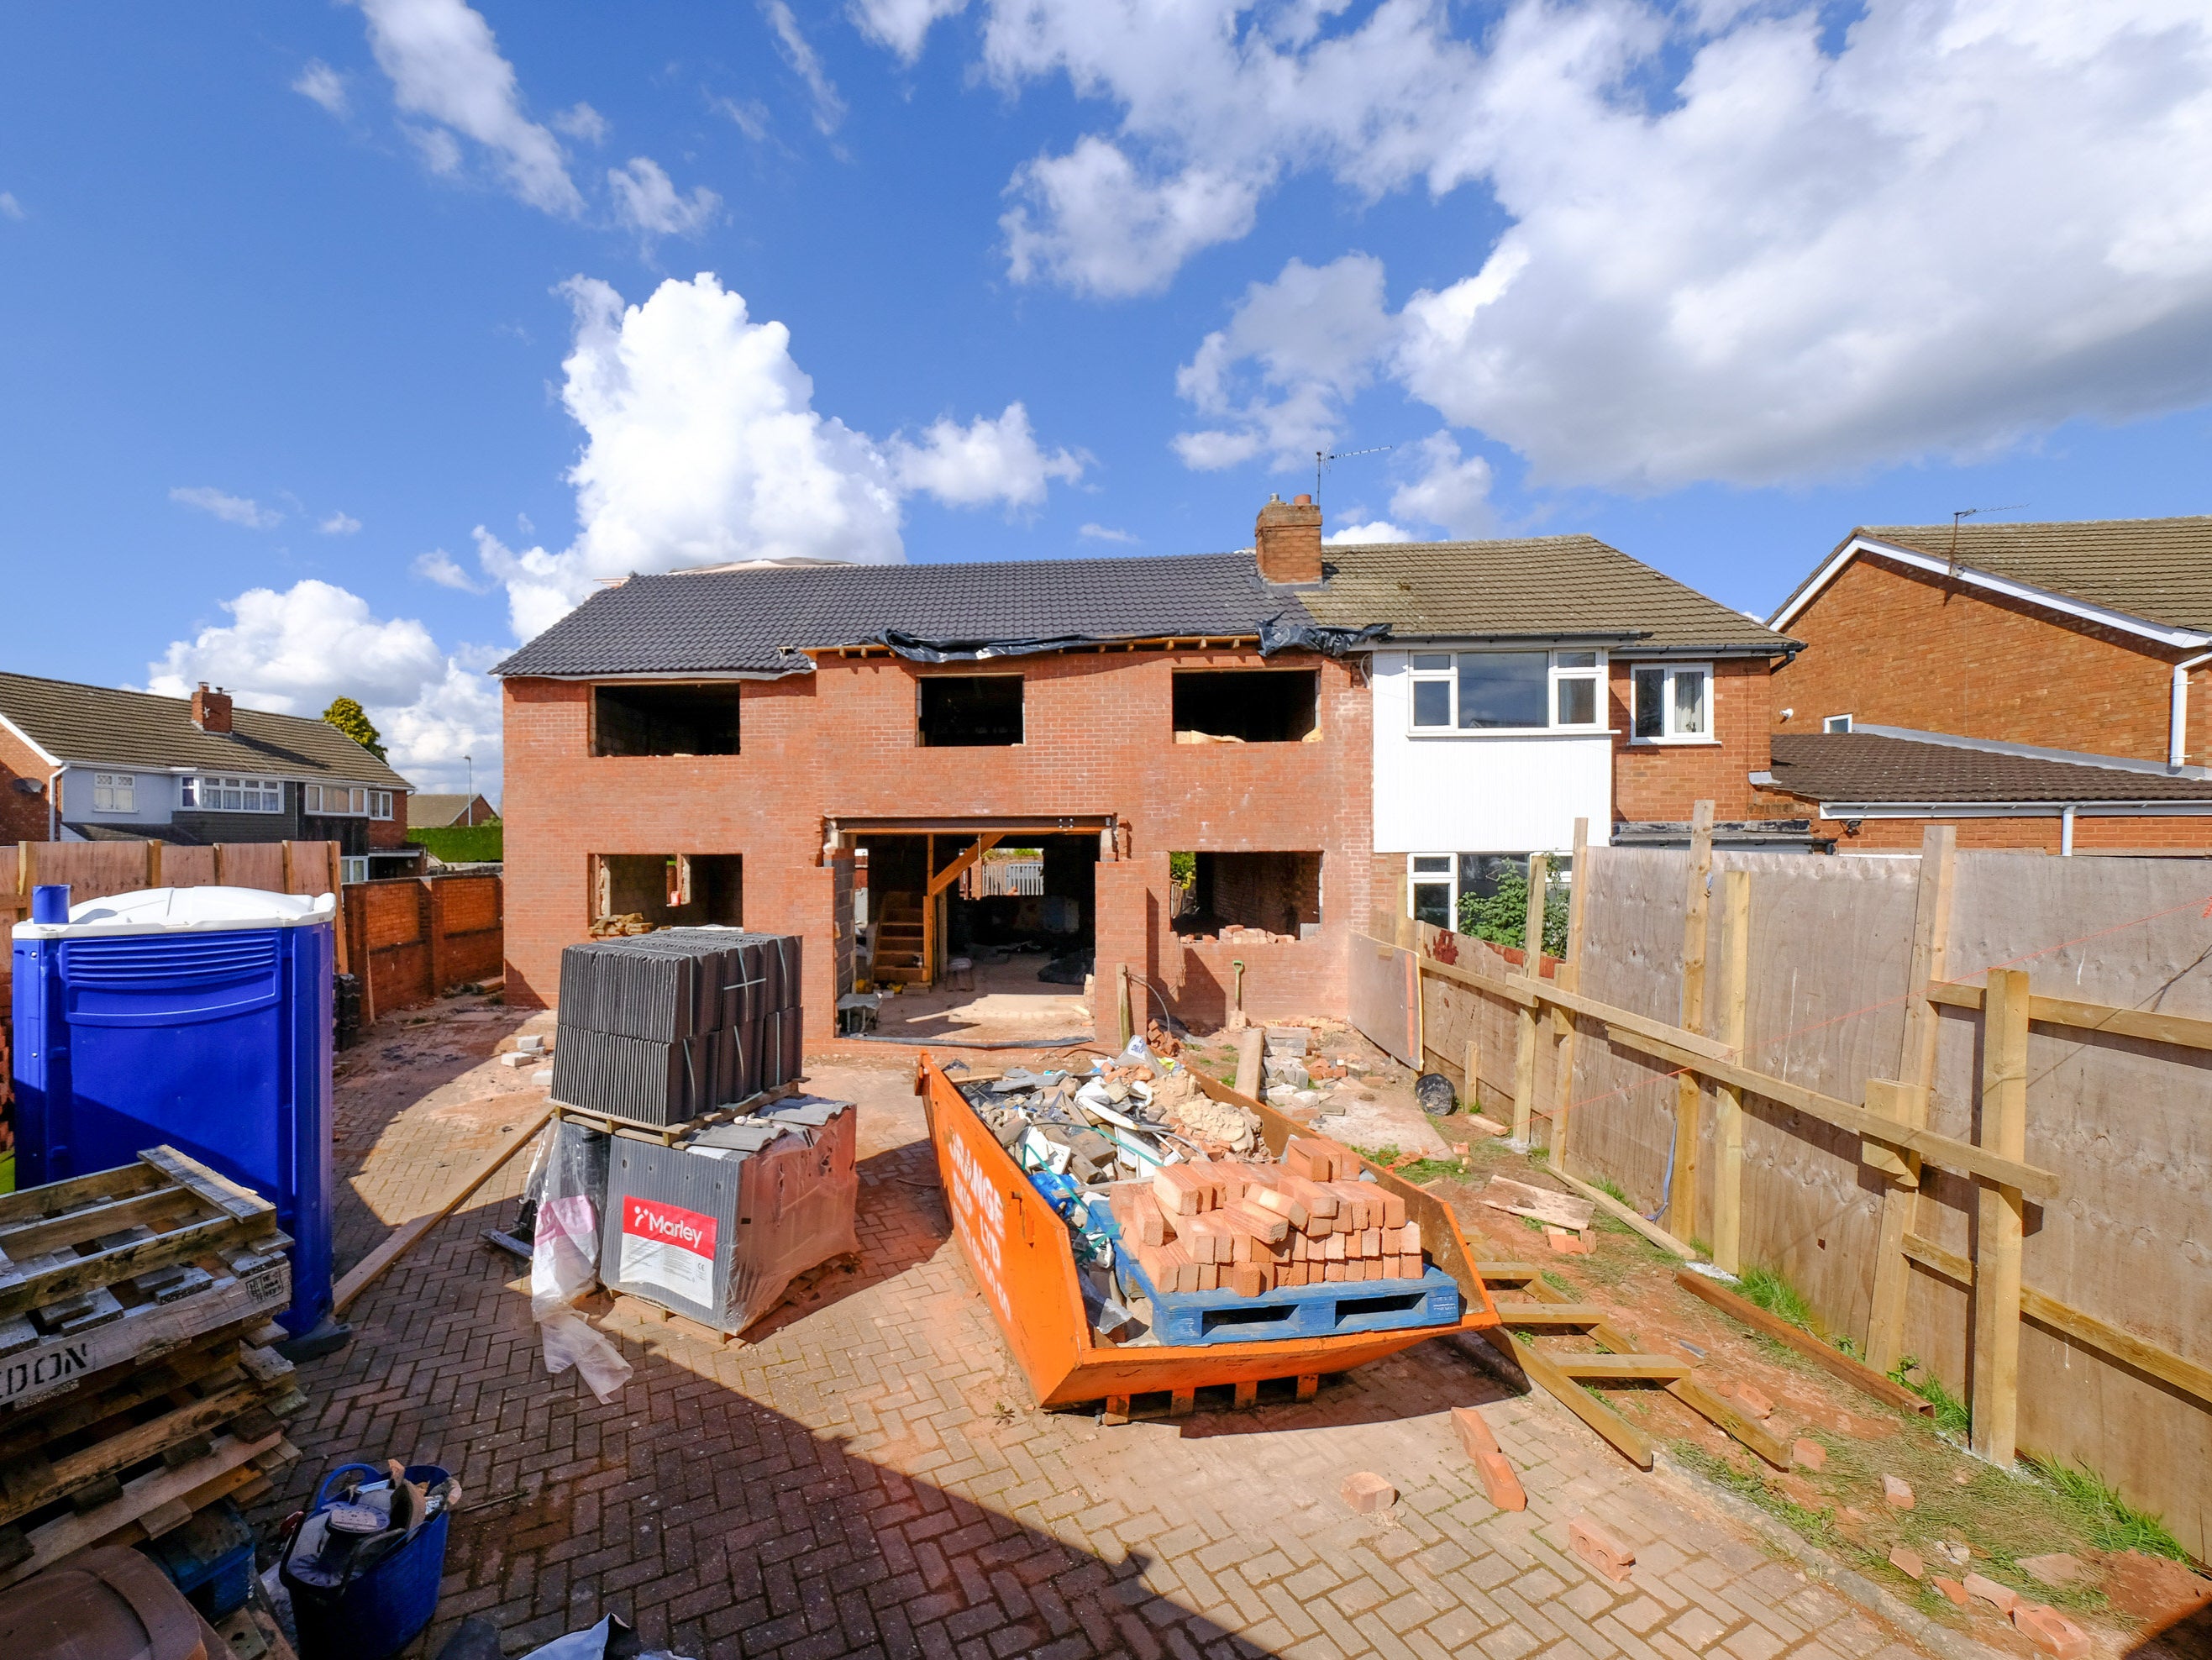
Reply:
x=1544, y=586
x=2159, y=569
x=100, y=725
x=757, y=620
x=439, y=812
x=739, y=620
x=1860, y=766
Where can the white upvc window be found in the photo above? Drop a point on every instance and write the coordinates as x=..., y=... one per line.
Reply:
x=114, y=792
x=1674, y=703
x=346, y=801
x=1506, y=691
x=206, y=793
x=1429, y=889
x=379, y=803
x=353, y=868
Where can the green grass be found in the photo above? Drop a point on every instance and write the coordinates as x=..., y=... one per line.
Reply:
x=1613, y=1189
x=1817, y=1525
x=2110, y=1522
x=1771, y=1291
x=1560, y=1283
x=1953, y=1416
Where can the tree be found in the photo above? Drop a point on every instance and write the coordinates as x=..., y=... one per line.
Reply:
x=349, y=718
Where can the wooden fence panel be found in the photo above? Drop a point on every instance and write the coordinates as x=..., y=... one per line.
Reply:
x=190, y=868
x=255, y=865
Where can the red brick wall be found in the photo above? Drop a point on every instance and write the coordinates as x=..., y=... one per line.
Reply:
x=390, y=832
x=22, y=818
x=1898, y=647
x=2040, y=835
x=841, y=743
x=1663, y=783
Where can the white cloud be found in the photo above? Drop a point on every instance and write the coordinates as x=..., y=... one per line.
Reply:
x=338, y=523
x=799, y=53
x=1092, y=221
x=703, y=444
x=294, y=652
x=751, y=116
x=1375, y=530
x=1105, y=533
x=1739, y=248
x=231, y=509
x=1312, y=339
x=319, y=82
x=10, y=205
x=1451, y=490
x=984, y=462
x=901, y=25
x=582, y=123
x=446, y=67
x=647, y=202
x=440, y=566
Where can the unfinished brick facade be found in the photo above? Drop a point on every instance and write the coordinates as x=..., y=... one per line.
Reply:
x=1662, y=782
x=1897, y=646
x=842, y=743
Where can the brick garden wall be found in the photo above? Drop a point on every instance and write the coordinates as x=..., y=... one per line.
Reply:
x=841, y=743
x=1897, y=646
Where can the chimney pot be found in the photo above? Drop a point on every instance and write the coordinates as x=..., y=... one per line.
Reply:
x=211, y=709
x=1286, y=541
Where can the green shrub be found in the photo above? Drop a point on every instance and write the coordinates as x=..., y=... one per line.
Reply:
x=1502, y=918
x=461, y=844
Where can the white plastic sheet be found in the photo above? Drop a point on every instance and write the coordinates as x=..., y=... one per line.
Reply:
x=564, y=1259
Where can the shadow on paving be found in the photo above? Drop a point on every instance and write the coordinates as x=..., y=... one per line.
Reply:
x=718, y=1525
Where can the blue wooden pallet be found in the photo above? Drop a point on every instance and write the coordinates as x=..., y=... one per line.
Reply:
x=1330, y=1310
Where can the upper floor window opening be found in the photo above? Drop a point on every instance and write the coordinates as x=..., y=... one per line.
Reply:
x=1506, y=691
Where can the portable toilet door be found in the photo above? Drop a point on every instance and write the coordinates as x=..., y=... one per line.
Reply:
x=197, y=1016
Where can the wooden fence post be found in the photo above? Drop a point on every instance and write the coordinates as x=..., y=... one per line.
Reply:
x=1468, y=1097
x=1998, y=1237
x=1682, y=1193
x=1121, y=1002
x=153, y=864
x=1570, y=978
x=1916, y=1071
x=1532, y=966
x=1728, y=1099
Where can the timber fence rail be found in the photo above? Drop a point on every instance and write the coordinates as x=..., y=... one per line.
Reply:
x=1963, y=1101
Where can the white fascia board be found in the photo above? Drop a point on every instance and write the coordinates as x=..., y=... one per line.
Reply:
x=32, y=744
x=2164, y=634
x=2014, y=809
x=702, y=675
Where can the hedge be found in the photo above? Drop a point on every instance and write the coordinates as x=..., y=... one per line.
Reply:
x=461, y=844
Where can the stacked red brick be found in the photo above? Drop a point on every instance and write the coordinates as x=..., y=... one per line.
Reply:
x=1252, y=1228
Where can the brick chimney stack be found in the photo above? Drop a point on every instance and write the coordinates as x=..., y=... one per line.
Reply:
x=211, y=709
x=1287, y=540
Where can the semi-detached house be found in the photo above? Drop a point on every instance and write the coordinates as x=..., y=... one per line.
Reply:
x=91, y=763
x=1243, y=737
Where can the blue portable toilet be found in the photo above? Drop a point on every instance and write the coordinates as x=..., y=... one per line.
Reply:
x=197, y=1016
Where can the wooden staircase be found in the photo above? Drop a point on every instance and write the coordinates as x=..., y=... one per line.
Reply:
x=899, y=945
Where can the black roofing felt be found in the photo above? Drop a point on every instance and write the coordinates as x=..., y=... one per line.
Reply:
x=754, y=620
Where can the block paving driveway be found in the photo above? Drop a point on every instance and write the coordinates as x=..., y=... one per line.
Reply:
x=865, y=1477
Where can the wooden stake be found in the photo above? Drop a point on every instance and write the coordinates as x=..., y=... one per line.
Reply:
x=1469, y=1097
x=1570, y=978
x=1728, y=1099
x=1900, y=1205
x=1122, y=1003
x=1682, y=1194
x=153, y=864
x=1997, y=1242
x=1532, y=969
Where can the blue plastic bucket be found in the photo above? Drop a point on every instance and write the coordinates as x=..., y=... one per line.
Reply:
x=379, y=1611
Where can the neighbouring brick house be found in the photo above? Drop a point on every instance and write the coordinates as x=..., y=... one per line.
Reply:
x=727, y=744
x=81, y=762
x=2038, y=686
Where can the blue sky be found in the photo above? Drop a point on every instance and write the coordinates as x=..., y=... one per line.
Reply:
x=345, y=344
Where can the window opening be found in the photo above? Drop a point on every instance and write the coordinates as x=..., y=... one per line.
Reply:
x=1246, y=706
x=700, y=720
x=970, y=711
x=1837, y=723
x=206, y=794
x=668, y=889
x=1672, y=702
x=1232, y=894
x=1428, y=893
x=1505, y=691
x=114, y=792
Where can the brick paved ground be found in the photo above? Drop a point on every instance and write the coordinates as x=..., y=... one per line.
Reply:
x=867, y=1478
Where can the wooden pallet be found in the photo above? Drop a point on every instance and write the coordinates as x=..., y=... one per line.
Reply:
x=67, y=1247
x=1562, y=1374
x=608, y=1123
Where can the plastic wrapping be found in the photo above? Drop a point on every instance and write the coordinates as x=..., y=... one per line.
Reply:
x=569, y=1183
